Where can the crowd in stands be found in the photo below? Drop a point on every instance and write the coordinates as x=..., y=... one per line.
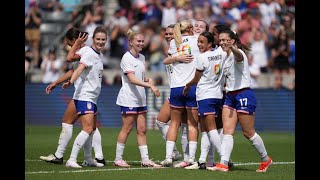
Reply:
x=267, y=26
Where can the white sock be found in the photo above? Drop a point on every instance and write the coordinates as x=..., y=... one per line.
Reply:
x=144, y=152
x=192, y=151
x=78, y=144
x=163, y=127
x=257, y=142
x=211, y=155
x=65, y=136
x=87, y=148
x=184, y=141
x=226, y=148
x=215, y=140
x=119, y=151
x=169, y=149
x=97, y=145
x=205, y=146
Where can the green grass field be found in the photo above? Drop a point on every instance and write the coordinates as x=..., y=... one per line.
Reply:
x=42, y=140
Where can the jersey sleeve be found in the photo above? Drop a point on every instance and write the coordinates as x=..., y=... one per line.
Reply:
x=85, y=60
x=201, y=63
x=82, y=50
x=126, y=65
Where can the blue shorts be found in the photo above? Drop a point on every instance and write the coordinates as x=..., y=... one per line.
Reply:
x=178, y=100
x=209, y=106
x=85, y=107
x=243, y=100
x=133, y=110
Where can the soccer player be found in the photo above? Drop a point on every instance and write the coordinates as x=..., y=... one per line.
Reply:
x=163, y=118
x=87, y=79
x=209, y=81
x=240, y=102
x=184, y=43
x=132, y=100
x=75, y=39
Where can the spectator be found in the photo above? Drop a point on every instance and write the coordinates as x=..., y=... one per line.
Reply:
x=258, y=50
x=254, y=70
x=156, y=53
x=51, y=67
x=32, y=31
x=246, y=25
x=169, y=13
x=280, y=54
x=153, y=13
x=277, y=83
x=51, y=5
x=28, y=56
x=117, y=80
x=94, y=17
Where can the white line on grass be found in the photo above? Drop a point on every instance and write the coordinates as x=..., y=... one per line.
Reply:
x=127, y=169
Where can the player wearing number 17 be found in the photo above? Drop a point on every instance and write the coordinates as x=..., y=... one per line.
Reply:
x=240, y=102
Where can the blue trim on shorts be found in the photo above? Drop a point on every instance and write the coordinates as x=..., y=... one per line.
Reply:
x=209, y=106
x=133, y=110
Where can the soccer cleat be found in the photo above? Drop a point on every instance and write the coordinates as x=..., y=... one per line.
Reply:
x=72, y=164
x=166, y=162
x=150, y=163
x=202, y=166
x=176, y=156
x=210, y=164
x=121, y=163
x=91, y=163
x=264, y=165
x=219, y=167
x=195, y=165
x=102, y=161
x=52, y=159
x=181, y=164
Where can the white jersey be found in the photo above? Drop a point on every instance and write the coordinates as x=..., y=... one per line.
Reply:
x=88, y=85
x=237, y=73
x=210, y=84
x=131, y=95
x=182, y=73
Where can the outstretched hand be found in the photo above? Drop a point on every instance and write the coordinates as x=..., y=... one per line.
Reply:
x=50, y=87
x=186, y=58
x=155, y=90
x=83, y=36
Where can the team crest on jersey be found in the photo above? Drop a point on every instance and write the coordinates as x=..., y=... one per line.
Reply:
x=217, y=69
x=89, y=106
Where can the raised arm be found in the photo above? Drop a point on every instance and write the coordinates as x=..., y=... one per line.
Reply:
x=72, y=56
x=74, y=76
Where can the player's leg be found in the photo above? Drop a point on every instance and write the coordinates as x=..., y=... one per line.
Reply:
x=69, y=118
x=162, y=122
